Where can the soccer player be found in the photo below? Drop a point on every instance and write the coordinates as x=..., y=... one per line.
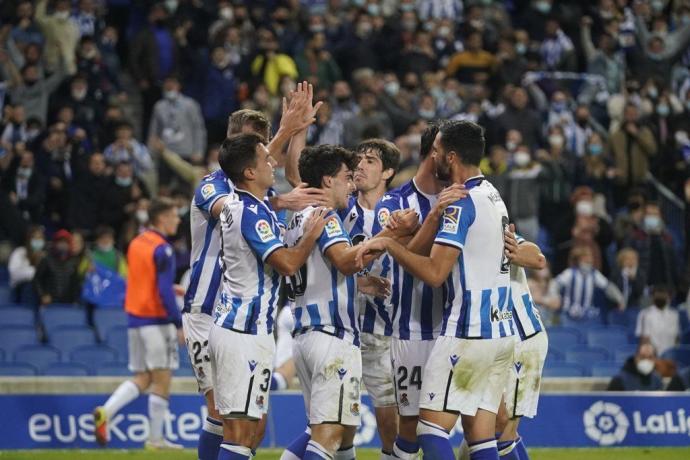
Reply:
x=326, y=335
x=210, y=196
x=154, y=326
x=241, y=345
x=466, y=370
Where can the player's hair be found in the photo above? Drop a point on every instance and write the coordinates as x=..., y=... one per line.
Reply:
x=428, y=137
x=246, y=117
x=237, y=153
x=577, y=253
x=387, y=152
x=159, y=206
x=321, y=161
x=465, y=138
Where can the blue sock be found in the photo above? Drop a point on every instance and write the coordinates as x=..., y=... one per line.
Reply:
x=278, y=382
x=316, y=451
x=346, y=453
x=507, y=450
x=403, y=449
x=210, y=438
x=522, y=450
x=295, y=450
x=434, y=441
x=230, y=451
x=484, y=450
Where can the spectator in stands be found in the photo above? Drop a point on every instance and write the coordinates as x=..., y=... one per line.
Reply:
x=178, y=122
x=584, y=289
x=316, y=65
x=270, y=64
x=57, y=277
x=495, y=168
x=100, y=79
x=596, y=171
x=90, y=188
x=127, y=149
x=15, y=131
x=26, y=185
x=545, y=293
x=368, y=123
x=605, y=60
x=522, y=193
x=474, y=64
x=521, y=118
x=557, y=50
x=61, y=33
x=122, y=193
x=220, y=94
x=26, y=31
x=105, y=254
x=22, y=266
x=629, y=219
x=629, y=277
x=638, y=372
x=659, y=323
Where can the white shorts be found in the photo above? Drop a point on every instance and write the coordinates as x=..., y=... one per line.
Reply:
x=464, y=375
x=524, y=376
x=330, y=372
x=242, y=366
x=377, y=373
x=284, y=325
x=408, y=361
x=197, y=327
x=153, y=347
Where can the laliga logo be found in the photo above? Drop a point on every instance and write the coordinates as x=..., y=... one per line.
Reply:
x=367, y=430
x=605, y=423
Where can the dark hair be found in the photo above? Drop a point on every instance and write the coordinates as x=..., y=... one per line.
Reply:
x=104, y=230
x=257, y=120
x=315, y=163
x=387, y=152
x=237, y=153
x=428, y=137
x=465, y=138
x=159, y=206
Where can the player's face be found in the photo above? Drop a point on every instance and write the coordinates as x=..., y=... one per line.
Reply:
x=169, y=221
x=440, y=159
x=342, y=186
x=264, y=167
x=369, y=172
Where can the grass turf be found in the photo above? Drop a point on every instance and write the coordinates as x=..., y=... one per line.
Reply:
x=628, y=453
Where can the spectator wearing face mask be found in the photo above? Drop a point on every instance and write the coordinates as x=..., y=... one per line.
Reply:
x=370, y=121
x=29, y=89
x=89, y=192
x=522, y=193
x=270, y=64
x=658, y=256
x=61, y=33
x=629, y=218
x=22, y=266
x=520, y=117
x=659, y=323
x=584, y=128
x=15, y=130
x=596, y=170
x=127, y=149
x=473, y=65
x=584, y=289
x=495, y=168
x=123, y=192
x=57, y=277
x=315, y=64
x=629, y=277
x=26, y=186
x=557, y=50
x=603, y=60
x=638, y=372
x=104, y=252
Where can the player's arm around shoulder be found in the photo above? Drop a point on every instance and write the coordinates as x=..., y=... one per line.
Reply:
x=334, y=243
x=521, y=252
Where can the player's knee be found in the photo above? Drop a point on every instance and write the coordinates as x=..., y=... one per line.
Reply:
x=142, y=380
x=330, y=436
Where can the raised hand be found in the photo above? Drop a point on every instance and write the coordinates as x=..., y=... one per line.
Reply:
x=374, y=286
x=403, y=222
x=302, y=196
x=448, y=196
x=314, y=225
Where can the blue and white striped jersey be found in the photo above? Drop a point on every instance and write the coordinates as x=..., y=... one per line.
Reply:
x=204, y=282
x=250, y=233
x=374, y=313
x=582, y=291
x=479, y=283
x=525, y=313
x=417, y=309
x=323, y=299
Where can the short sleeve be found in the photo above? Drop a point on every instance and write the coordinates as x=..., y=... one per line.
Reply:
x=456, y=221
x=259, y=232
x=209, y=191
x=384, y=208
x=334, y=232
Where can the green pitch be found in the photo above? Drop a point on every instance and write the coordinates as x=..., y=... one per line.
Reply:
x=363, y=454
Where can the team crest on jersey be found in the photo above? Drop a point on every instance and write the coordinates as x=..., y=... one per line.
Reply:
x=403, y=400
x=451, y=219
x=333, y=227
x=207, y=190
x=263, y=230
x=354, y=409
x=383, y=216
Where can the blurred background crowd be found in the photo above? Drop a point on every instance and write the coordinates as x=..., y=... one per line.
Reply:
x=586, y=105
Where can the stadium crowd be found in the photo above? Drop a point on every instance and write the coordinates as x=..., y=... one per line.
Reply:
x=106, y=104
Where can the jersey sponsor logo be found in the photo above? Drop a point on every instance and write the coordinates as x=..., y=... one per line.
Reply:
x=383, y=216
x=451, y=219
x=497, y=315
x=263, y=230
x=333, y=227
x=207, y=190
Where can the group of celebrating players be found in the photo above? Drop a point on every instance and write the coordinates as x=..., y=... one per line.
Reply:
x=419, y=293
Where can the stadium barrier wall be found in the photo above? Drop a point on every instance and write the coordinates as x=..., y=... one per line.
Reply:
x=52, y=421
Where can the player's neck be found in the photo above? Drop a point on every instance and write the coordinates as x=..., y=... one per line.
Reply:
x=463, y=172
x=369, y=198
x=252, y=188
x=157, y=229
x=425, y=178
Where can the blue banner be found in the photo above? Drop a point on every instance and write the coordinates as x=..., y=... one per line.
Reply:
x=565, y=420
x=104, y=288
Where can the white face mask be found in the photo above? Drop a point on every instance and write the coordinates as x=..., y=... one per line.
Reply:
x=511, y=146
x=142, y=216
x=170, y=95
x=522, y=158
x=585, y=266
x=556, y=140
x=645, y=366
x=61, y=14
x=584, y=208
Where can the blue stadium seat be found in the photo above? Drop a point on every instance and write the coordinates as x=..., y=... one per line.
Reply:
x=610, y=338
x=17, y=369
x=5, y=293
x=184, y=371
x=117, y=340
x=2, y=355
x=605, y=369
x=4, y=274
x=106, y=319
x=68, y=338
x=565, y=370
x=55, y=316
x=585, y=355
x=685, y=338
x=17, y=316
x=37, y=355
x=4, y=305
x=564, y=338
x=555, y=354
x=66, y=369
x=680, y=354
x=113, y=368
x=91, y=355
x=12, y=338
x=621, y=354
